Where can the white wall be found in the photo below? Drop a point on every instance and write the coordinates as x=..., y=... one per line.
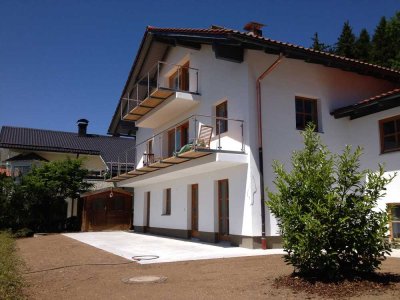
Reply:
x=241, y=204
x=333, y=88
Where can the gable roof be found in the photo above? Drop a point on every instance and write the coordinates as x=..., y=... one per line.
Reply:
x=27, y=156
x=369, y=106
x=283, y=47
x=109, y=148
x=237, y=41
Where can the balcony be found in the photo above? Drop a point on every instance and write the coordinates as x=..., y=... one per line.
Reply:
x=197, y=144
x=164, y=93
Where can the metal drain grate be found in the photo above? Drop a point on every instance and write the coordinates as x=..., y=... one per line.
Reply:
x=145, y=279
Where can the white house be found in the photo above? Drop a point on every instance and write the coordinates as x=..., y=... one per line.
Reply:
x=249, y=96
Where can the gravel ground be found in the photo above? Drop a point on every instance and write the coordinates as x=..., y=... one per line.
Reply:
x=233, y=278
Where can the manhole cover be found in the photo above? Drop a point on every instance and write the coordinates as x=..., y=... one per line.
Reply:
x=145, y=279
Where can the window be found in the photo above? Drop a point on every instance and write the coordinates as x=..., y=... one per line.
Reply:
x=180, y=79
x=306, y=112
x=167, y=202
x=395, y=221
x=390, y=134
x=221, y=113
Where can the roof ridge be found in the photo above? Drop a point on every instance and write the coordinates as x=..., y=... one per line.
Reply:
x=252, y=35
x=57, y=131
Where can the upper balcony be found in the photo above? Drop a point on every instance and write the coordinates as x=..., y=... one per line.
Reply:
x=164, y=93
x=195, y=145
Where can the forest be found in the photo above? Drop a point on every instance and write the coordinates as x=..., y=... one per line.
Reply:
x=382, y=48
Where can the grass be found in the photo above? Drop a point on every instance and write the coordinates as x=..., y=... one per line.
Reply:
x=10, y=277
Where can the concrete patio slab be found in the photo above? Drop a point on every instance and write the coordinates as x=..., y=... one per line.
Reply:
x=128, y=245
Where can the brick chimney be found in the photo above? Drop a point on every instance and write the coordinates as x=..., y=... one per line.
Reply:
x=254, y=27
x=82, y=127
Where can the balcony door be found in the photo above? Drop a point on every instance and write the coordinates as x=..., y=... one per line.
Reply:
x=223, y=210
x=179, y=81
x=147, y=224
x=177, y=138
x=195, y=210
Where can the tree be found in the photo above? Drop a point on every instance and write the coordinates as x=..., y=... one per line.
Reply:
x=345, y=44
x=326, y=211
x=317, y=45
x=363, y=46
x=380, y=44
x=393, y=38
x=38, y=202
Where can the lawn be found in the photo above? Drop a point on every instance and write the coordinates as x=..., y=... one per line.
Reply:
x=10, y=278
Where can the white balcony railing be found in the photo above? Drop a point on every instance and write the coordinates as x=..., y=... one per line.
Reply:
x=192, y=138
x=159, y=83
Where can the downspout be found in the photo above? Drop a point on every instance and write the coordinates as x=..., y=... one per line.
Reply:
x=260, y=147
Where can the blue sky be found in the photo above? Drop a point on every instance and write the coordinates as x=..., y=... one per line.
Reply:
x=69, y=59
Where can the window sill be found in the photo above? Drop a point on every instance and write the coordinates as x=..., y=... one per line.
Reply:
x=390, y=151
x=318, y=131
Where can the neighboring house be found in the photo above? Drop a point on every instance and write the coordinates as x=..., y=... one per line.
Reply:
x=214, y=107
x=22, y=148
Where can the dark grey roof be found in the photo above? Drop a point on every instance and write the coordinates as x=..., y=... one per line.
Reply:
x=108, y=147
x=27, y=156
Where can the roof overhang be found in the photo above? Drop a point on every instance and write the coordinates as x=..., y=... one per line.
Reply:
x=48, y=149
x=367, y=108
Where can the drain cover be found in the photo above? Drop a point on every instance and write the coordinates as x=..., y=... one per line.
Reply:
x=145, y=279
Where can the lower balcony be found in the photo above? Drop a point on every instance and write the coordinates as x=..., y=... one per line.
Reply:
x=216, y=143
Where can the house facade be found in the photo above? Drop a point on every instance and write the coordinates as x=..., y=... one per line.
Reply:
x=214, y=107
x=23, y=148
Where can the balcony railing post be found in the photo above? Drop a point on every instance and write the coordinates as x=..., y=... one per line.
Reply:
x=160, y=142
x=118, y=168
x=179, y=85
x=197, y=81
x=148, y=84
x=137, y=94
x=195, y=133
x=158, y=75
x=219, y=134
x=126, y=162
x=241, y=125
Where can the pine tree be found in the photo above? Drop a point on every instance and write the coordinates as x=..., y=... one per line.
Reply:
x=317, y=45
x=346, y=43
x=393, y=37
x=380, y=44
x=363, y=46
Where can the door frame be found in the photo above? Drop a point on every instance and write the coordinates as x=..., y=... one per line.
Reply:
x=194, y=195
x=221, y=236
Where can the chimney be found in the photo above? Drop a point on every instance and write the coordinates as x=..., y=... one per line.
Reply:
x=254, y=27
x=82, y=127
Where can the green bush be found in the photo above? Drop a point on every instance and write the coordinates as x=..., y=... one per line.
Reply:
x=38, y=201
x=326, y=211
x=10, y=279
x=23, y=233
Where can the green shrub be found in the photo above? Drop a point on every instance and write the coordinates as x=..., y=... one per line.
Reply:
x=326, y=210
x=10, y=279
x=23, y=233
